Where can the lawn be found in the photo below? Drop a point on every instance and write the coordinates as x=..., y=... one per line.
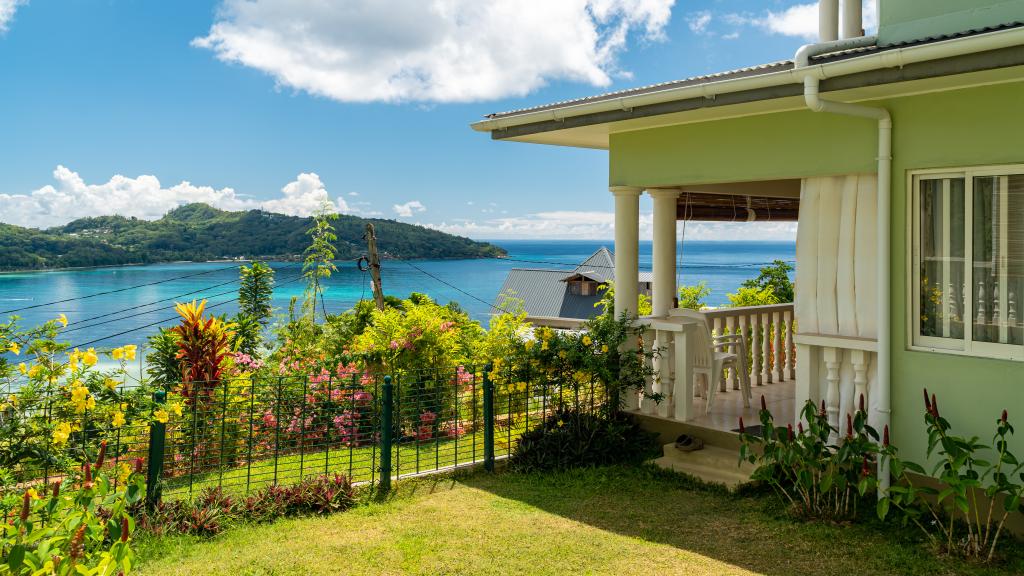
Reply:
x=618, y=521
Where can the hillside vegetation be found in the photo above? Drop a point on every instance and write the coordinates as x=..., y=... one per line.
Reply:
x=199, y=232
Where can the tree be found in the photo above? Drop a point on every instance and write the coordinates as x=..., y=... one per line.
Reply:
x=752, y=297
x=775, y=276
x=255, y=292
x=319, y=262
x=607, y=301
x=692, y=297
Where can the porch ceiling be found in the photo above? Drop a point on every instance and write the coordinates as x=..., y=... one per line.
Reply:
x=773, y=200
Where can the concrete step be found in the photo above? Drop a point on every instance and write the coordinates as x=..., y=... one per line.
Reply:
x=711, y=464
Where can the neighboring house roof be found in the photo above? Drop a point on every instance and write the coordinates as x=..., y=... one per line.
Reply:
x=545, y=292
x=747, y=71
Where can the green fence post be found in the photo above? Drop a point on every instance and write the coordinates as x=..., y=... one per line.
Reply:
x=386, y=440
x=488, y=420
x=155, y=455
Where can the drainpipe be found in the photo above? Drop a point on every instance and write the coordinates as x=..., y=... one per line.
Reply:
x=828, y=20
x=853, y=19
x=814, y=102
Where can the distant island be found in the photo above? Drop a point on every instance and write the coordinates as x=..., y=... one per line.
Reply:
x=199, y=232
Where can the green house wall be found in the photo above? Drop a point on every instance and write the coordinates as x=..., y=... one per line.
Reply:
x=905, y=20
x=969, y=127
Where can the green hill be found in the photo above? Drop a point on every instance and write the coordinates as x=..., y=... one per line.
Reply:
x=199, y=232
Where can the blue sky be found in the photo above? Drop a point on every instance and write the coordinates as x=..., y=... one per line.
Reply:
x=110, y=106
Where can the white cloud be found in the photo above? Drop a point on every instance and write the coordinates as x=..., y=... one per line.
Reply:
x=437, y=51
x=698, y=22
x=800, y=20
x=7, y=10
x=595, y=225
x=353, y=193
x=70, y=197
x=406, y=210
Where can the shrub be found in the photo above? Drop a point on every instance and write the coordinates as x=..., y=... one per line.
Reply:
x=575, y=439
x=952, y=517
x=83, y=527
x=815, y=476
x=775, y=277
x=692, y=297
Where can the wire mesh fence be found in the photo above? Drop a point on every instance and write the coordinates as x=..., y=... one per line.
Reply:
x=242, y=434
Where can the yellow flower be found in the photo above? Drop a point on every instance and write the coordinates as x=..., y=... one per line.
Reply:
x=34, y=371
x=73, y=359
x=562, y=354
x=14, y=348
x=560, y=423
x=544, y=345
x=587, y=341
x=63, y=320
x=129, y=351
x=176, y=408
x=61, y=433
x=529, y=344
x=110, y=383
x=78, y=392
x=33, y=494
x=123, y=472
x=117, y=353
x=22, y=368
x=118, y=420
x=161, y=416
x=89, y=357
x=604, y=348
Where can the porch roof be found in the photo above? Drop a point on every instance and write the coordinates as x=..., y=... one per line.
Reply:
x=545, y=123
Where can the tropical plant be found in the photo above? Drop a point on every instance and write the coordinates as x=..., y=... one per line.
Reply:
x=954, y=517
x=255, y=292
x=820, y=472
x=203, y=347
x=692, y=297
x=319, y=263
x=162, y=363
x=80, y=525
x=775, y=277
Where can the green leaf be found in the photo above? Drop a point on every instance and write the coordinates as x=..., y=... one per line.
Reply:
x=15, y=558
x=882, y=508
x=1012, y=504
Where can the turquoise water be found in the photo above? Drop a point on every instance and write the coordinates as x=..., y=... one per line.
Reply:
x=122, y=317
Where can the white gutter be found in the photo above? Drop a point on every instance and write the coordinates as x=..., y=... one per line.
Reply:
x=892, y=58
x=884, y=324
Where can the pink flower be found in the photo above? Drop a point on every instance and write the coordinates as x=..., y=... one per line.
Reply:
x=395, y=345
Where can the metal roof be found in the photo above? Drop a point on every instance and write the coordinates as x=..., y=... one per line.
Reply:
x=778, y=66
x=545, y=294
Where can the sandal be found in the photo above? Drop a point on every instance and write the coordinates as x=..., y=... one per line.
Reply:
x=687, y=443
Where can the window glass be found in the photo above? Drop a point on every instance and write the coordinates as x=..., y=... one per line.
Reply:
x=997, y=233
x=942, y=271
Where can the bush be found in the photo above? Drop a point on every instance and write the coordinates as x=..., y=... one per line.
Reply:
x=574, y=439
x=212, y=511
x=815, y=475
x=693, y=297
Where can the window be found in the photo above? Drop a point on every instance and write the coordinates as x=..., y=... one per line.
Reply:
x=968, y=233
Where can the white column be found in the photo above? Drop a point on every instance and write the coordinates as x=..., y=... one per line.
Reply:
x=663, y=290
x=627, y=246
x=853, y=25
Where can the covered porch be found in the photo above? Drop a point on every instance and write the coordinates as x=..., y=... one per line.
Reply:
x=821, y=347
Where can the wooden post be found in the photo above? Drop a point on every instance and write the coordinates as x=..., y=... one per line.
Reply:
x=378, y=290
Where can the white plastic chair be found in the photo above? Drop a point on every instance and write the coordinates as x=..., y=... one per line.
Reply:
x=711, y=355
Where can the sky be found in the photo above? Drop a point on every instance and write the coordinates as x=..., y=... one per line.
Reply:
x=134, y=107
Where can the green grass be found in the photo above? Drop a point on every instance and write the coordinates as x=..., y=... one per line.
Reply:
x=601, y=521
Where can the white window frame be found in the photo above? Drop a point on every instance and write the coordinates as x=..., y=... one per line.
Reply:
x=966, y=346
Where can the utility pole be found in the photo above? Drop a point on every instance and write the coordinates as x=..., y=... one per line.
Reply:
x=378, y=291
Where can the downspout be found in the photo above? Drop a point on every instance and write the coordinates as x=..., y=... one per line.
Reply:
x=811, y=96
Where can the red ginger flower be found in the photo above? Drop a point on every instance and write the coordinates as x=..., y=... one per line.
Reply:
x=800, y=427
x=927, y=402
x=102, y=455
x=764, y=405
x=124, y=529
x=849, y=425
x=885, y=436
x=1003, y=418
x=26, y=503
x=743, y=429
x=789, y=429
x=861, y=403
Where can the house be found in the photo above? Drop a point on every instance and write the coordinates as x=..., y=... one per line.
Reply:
x=564, y=298
x=900, y=156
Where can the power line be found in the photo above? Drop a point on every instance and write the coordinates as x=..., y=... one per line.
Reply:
x=453, y=287
x=165, y=320
x=165, y=280
x=147, y=304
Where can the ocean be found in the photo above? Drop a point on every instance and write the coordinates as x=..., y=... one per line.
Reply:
x=126, y=304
